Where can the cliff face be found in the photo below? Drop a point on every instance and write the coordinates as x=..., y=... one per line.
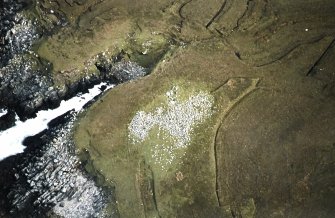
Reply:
x=235, y=119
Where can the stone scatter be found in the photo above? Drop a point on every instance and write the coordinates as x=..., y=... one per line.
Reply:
x=20, y=38
x=8, y=19
x=163, y=155
x=178, y=120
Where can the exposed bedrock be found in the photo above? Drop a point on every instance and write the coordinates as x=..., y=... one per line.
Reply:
x=27, y=87
x=49, y=178
x=29, y=82
x=8, y=12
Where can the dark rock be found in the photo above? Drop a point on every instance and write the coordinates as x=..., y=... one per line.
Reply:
x=50, y=176
x=8, y=10
x=7, y=121
x=26, y=83
x=23, y=85
x=117, y=69
x=60, y=120
x=126, y=71
x=103, y=88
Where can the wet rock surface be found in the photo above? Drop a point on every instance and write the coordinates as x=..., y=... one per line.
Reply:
x=27, y=86
x=7, y=120
x=50, y=177
x=26, y=81
x=7, y=20
x=23, y=85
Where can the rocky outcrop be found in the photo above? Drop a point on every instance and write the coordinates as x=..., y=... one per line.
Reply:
x=7, y=120
x=26, y=84
x=23, y=85
x=26, y=80
x=8, y=11
x=50, y=178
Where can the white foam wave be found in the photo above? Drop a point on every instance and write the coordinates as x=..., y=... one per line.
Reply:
x=11, y=139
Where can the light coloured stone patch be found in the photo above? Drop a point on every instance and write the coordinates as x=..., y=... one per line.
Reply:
x=164, y=155
x=22, y=35
x=81, y=204
x=178, y=119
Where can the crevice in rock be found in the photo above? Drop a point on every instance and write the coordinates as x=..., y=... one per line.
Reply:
x=217, y=188
x=217, y=14
x=238, y=55
x=311, y=71
x=145, y=185
x=218, y=31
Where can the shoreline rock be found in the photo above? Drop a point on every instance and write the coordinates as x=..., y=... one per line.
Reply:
x=27, y=83
x=50, y=178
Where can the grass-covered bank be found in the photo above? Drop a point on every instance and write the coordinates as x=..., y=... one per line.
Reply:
x=264, y=149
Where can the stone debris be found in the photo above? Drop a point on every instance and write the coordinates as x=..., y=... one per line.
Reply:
x=55, y=180
x=116, y=68
x=126, y=71
x=26, y=86
x=23, y=82
x=20, y=38
x=26, y=82
x=178, y=119
x=87, y=201
x=164, y=154
x=8, y=19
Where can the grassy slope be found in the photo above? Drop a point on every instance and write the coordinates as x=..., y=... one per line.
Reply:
x=229, y=166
